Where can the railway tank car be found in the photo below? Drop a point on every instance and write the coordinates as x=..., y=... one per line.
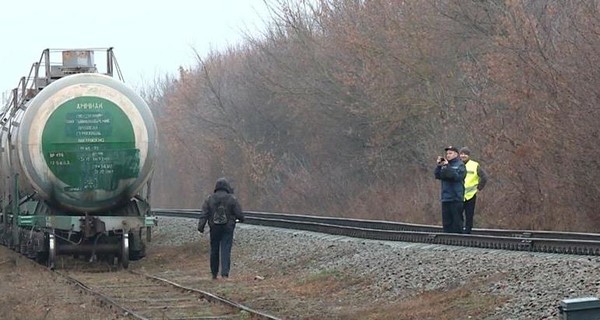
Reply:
x=77, y=153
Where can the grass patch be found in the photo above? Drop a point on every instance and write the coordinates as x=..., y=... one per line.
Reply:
x=459, y=303
x=323, y=281
x=172, y=256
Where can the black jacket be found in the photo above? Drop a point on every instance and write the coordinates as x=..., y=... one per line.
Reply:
x=222, y=192
x=453, y=180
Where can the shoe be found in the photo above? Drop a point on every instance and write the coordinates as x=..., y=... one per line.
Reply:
x=214, y=277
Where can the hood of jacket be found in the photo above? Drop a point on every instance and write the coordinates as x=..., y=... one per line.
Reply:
x=223, y=185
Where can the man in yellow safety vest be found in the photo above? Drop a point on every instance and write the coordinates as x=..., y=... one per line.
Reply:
x=475, y=180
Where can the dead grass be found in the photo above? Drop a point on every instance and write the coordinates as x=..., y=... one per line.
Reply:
x=436, y=305
x=29, y=291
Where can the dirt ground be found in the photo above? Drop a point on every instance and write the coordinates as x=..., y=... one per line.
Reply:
x=29, y=291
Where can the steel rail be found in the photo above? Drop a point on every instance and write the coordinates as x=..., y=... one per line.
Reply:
x=211, y=297
x=389, y=225
x=207, y=296
x=521, y=240
x=105, y=299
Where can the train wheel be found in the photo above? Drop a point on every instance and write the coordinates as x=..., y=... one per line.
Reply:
x=40, y=257
x=52, y=246
x=111, y=259
x=124, y=258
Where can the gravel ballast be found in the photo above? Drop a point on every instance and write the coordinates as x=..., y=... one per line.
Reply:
x=532, y=284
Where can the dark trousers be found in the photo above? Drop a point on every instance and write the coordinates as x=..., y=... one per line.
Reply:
x=452, y=216
x=221, y=240
x=469, y=206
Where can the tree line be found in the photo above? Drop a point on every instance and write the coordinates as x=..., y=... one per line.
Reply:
x=340, y=108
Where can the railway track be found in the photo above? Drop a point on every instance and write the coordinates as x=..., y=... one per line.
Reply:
x=143, y=296
x=131, y=294
x=521, y=240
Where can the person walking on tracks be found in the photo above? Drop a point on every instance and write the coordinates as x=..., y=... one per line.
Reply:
x=221, y=210
x=451, y=171
x=474, y=181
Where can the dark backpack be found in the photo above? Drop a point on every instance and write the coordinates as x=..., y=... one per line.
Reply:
x=220, y=214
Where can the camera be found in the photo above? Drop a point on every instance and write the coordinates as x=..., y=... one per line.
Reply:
x=441, y=159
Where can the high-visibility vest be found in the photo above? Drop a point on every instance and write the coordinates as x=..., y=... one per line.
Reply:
x=471, y=179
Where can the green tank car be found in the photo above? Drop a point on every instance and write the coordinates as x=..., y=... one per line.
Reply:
x=77, y=153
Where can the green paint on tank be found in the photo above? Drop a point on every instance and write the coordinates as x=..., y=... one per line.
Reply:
x=89, y=144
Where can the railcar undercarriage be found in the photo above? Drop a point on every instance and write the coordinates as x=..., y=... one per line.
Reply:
x=112, y=239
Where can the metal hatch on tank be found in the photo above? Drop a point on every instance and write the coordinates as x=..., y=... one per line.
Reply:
x=78, y=148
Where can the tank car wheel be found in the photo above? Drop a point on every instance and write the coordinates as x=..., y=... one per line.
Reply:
x=111, y=259
x=40, y=257
x=51, y=250
x=124, y=258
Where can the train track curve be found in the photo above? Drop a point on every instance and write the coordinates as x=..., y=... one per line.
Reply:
x=520, y=240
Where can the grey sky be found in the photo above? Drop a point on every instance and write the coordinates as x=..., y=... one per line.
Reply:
x=150, y=37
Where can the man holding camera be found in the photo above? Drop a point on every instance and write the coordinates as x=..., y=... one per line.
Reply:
x=451, y=171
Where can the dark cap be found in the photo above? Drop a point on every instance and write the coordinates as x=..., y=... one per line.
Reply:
x=465, y=150
x=455, y=149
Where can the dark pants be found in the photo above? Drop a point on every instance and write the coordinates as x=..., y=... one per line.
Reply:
x=221, y=240
x=469, y=213
x=452, y=216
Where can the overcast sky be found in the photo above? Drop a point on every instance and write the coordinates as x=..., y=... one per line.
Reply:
x=150, y=37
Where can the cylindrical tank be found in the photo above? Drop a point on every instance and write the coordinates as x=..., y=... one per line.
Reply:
x=85, y=143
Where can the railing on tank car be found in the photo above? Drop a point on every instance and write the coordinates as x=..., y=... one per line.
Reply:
x=46, y=70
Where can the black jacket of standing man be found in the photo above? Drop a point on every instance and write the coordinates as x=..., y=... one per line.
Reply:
x=451, y=171
x=221, y=209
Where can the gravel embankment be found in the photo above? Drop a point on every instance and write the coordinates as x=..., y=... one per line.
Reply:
x=534, y=283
